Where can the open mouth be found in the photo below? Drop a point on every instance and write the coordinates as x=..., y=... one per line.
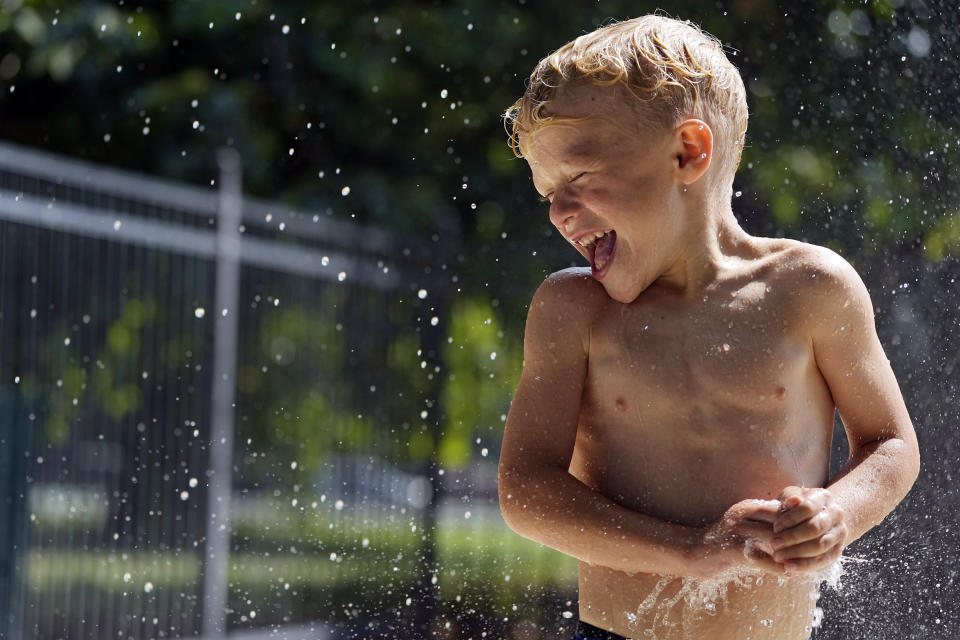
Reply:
x=601, y=249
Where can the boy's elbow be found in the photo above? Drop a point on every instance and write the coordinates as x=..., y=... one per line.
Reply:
x=909, y=461
x=914, y=465
x=509, y=488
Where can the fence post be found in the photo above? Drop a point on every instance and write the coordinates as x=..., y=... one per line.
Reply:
x=15, y=442
x=437, y=305
x=220, y=472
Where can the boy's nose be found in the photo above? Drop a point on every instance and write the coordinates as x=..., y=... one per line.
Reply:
x=563, y=211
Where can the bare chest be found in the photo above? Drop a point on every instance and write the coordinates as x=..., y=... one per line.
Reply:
x=741, y=355
x=724, y=394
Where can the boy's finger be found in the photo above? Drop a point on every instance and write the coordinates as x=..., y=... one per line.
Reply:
x=809, y=549
x=762, y=510
x=795, y=515
x=760, y=560
x=791, y=497
x=809, y=529
x=758, y=534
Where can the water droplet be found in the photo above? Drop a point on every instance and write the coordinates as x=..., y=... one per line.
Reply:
x=726, y=347
x=199, y=312
x=148, y=587
x=342, y=276
x=422, y=294
x=325, y=260
x=184, y=495
x=345, y=191
x=192, y=482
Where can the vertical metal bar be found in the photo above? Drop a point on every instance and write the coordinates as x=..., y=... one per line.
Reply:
x=226, y=314
x=428, y=586
x=431, y=337
x=15, y=440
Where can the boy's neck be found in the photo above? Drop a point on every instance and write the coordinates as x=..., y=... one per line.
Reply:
x=711, y=240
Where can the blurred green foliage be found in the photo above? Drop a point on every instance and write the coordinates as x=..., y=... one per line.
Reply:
x=851, y=105
x=852, y=142
x=477, y=353
x=294, y=551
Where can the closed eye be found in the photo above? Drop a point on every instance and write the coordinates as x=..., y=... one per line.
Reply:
x=549, y=196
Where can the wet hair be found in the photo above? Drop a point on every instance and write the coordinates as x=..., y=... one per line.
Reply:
x=672, y=68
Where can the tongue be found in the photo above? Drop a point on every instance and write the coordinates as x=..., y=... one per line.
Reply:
x=604, y=248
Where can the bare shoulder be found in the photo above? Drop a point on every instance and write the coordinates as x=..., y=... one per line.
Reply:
x=572, y=289
x=567, y=301
x=820, y=283
x=810, y=269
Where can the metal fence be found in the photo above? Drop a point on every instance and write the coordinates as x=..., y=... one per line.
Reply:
x=220, y=416
x=216, y=414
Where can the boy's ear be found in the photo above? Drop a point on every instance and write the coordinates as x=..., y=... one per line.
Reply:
x=695, y=149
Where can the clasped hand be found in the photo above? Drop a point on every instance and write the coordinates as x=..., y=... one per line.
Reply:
x=802, y=532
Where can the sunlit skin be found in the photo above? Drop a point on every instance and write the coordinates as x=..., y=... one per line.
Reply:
x=680, y=401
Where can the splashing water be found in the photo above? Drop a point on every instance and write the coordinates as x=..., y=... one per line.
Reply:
x=698, y=596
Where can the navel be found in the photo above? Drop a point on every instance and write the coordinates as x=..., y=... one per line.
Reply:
x=781, y=393
x=621, y=404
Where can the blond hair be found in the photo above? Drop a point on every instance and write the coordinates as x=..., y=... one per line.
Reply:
x=673, y=69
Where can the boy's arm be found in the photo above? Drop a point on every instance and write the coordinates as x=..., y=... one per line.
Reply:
x=884, y=458
x=542, y=501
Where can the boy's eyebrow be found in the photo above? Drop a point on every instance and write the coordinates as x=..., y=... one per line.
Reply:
x=580, y=148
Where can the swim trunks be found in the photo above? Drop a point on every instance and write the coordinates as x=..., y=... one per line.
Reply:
x=586, y=631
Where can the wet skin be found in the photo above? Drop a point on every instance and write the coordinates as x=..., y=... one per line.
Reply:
x=690, y=406
x=698, y=369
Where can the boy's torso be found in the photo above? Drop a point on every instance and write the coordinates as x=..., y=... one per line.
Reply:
x=691, y=405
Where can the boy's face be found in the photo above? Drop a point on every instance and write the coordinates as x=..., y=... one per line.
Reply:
x=604, y=178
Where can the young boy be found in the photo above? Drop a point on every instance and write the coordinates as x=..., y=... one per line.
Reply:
x=672, y=426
